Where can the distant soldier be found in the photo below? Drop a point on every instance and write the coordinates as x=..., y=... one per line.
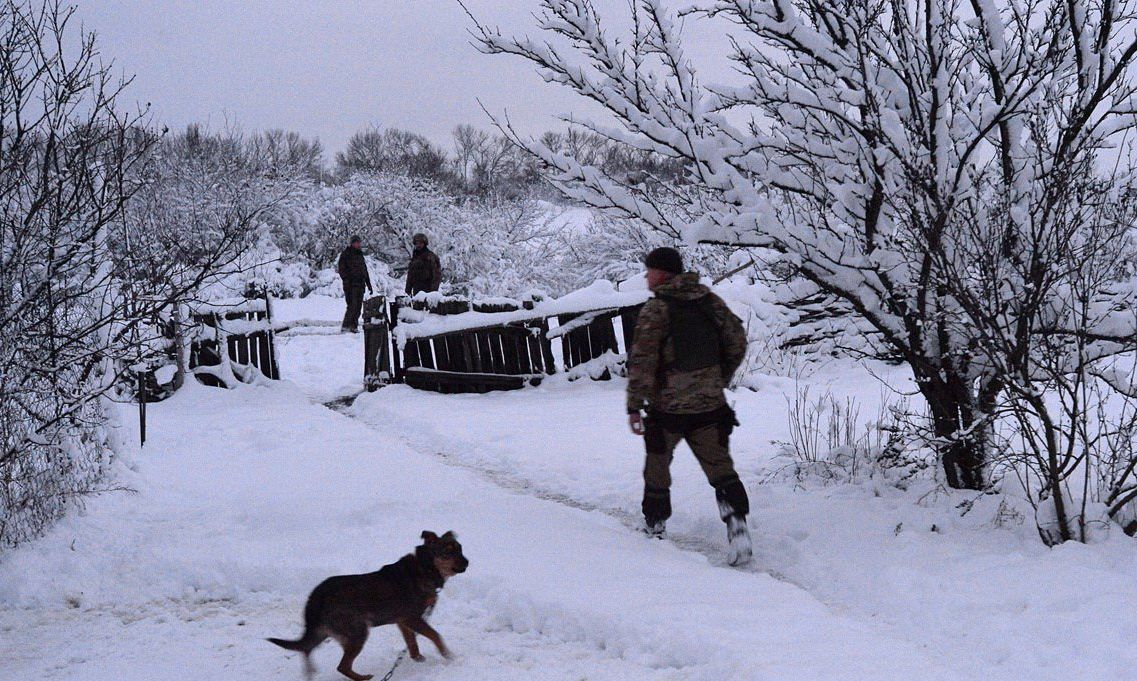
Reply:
x=687, y=345
x=425, y=270
x=352, y=269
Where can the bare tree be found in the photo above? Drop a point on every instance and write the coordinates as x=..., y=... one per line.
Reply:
x=284, y=153
x=97, y=246
x=868, y=141
x=65, y=175
x=392, y=150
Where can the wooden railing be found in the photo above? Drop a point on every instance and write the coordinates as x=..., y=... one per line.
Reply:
x=457, y=346
x=246, y=331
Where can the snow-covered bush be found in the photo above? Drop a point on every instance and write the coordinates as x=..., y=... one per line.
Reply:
x=68, y=165
x=829, y=440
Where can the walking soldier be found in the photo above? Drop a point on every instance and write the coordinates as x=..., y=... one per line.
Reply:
x=687, y=345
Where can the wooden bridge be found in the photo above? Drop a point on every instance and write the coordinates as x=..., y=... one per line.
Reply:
x=455, y=345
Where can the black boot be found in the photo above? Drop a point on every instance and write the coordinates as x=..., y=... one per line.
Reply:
x=734, y=505
x=656, y=509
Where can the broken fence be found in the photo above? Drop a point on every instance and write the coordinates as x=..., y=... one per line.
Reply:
x=452, y=345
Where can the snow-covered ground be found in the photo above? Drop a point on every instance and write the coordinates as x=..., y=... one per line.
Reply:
x=245, y=499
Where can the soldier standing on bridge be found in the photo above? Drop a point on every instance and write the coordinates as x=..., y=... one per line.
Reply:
x=352, y=269
x=425, y=270
x=687, y=345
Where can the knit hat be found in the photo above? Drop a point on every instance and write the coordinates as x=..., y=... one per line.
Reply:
x=666, y=259
x=420, y=237
x=355, y=239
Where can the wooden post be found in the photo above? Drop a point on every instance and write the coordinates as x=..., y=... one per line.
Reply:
x=269, y=367
x=141, y=409
x=377, y=368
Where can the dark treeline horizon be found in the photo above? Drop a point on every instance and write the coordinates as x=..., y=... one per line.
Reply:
x=476, y=163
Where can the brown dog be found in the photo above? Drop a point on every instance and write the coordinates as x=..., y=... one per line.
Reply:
x=345, y=607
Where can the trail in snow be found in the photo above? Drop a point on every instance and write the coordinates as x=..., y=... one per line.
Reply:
x=714, y=552
x=248, y=498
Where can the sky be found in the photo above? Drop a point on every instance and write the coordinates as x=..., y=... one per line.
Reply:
x=324, y=68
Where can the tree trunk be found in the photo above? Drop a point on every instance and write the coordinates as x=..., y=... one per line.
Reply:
x=181, y=346
x=962, y=438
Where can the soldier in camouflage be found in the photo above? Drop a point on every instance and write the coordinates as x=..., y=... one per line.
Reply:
x=686, y=347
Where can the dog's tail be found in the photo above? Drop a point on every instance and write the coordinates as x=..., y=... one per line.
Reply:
x=305, y=644
x=289, y=645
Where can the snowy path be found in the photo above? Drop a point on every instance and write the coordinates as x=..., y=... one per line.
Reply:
x=247, y=498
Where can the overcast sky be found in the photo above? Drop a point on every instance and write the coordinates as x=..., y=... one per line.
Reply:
x=324, y=68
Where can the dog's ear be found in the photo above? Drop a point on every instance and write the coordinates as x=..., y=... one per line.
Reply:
x=429, y=536
x=450, y=535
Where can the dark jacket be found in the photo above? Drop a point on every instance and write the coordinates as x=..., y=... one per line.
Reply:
x=424, y=272
x=656, y=375
x=353, y=268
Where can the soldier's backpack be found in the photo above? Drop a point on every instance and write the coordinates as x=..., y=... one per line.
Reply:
x=695, y=334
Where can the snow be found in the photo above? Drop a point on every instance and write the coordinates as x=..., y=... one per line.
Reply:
x=245, y=499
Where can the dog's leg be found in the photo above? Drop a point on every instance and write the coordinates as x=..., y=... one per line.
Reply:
x=420, y=626
x=352, y=642
x=412, y=643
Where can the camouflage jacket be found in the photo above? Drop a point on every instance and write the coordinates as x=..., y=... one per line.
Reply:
x=653, y=381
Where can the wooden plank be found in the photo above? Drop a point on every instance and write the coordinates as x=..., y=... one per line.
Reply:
x=411, y=355
x=536, y=357
x=520, y=340
x=441, y=354
x=470, y=352
x=264, y=358
x=393, y=314
x=602, y=339
x=375, y=310
x=602, y=335
x=425, y=354
x=396, y=361
x=255, y=350
x=566, y=342
x=231, y=348
x=253, y=342
x=370, y=350
x=461, y=382
x=579, y=349
x=509, y=351
x=383, y=348
x=491, y=308
x=481, y=350
x=496, y=352
x=547, y=348
x=238, y=349
x=456, y=352
x=376, y=354
x=628, y=318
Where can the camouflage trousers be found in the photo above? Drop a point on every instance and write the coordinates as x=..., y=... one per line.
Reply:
x=708, y=436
